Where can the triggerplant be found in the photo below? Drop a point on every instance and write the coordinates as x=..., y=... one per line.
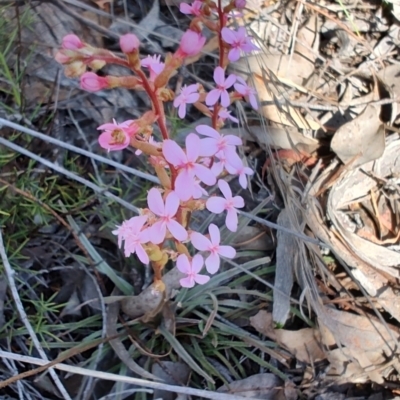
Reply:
x=162, y=230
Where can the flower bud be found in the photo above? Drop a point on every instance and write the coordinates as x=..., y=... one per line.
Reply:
x=191, y=44
x=129, y=43
x=240, y=4
x=92, y=82
x=72, y=42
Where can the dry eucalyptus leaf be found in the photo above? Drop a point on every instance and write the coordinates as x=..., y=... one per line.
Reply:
x=375, y=284
x=355, y=185
x=286, y=260
x=360, y=140
x=171, y=373
x=305, y=344
x=391, y=78
x=260, y=386
x=368, y=340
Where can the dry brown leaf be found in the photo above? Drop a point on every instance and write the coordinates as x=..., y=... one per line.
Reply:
x=304, y=344
x=260, y=386
x=362, y=139
x=171, y=373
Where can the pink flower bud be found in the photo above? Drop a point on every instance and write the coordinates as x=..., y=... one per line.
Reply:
x=191, y=44
x=240, y=4
x=72, y=42
x=129, y=43
x=92, y=82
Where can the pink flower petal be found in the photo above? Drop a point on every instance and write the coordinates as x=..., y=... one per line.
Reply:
x=212, y=97
x=212, y=263
x=182, y=111
x=230, y=80
x=219, y=76
x=225, y=99
x=215, y=234
x=227, y=251
x=225, y=189
x=208, y=147
x=183, y=264
x=158, y=232
x=216, y=205
x=234, y=54
x=228, y=35
x=106, y=142
x=142, y=255
x=187, y=282
x=253, y=101
x=177, y=230
x=192, y=98
x=197, y=263
x=238, y=202
x=171, y=204
x=208, y=131
x=231, y=220
x=192, y=147
x=155, y=202
x=243, y=181
x=200, y=242
x=201, y=279
x=173, y=153
x=184, y=184
x=204, y=174
x=233, y=140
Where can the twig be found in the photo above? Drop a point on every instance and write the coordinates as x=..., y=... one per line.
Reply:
x=118, y=378
x=78, y=150
x=14, y=291
x=69, y=174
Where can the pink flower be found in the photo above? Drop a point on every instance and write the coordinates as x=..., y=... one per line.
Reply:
x=92, y=82
x=245, y=90
x=191, y=44
x=154, y=65
x=72, y=42
x=131, y=232
x=240, y=4
x=238, y=41
x=166, y=212
x=216, y=142
x=220, y=91
x=217, y=205
x=129, y=43
x=236, y=167
x=224, y=114
x=191, y=269
x=188, y=95
x=194, y=9
x=117, y=136
x=186, y=162
x=202, y=243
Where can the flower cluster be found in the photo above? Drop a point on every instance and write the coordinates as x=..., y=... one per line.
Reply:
x=162, y=231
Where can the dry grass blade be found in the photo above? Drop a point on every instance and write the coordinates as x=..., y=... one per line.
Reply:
x=118, y=378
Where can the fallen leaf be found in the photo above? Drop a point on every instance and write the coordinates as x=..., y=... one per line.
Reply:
x=260, y=386
x=305, y=344
x=360, y=140
x=171, y=373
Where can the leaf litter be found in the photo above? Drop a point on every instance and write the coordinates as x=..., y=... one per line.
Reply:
x=328, y=86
